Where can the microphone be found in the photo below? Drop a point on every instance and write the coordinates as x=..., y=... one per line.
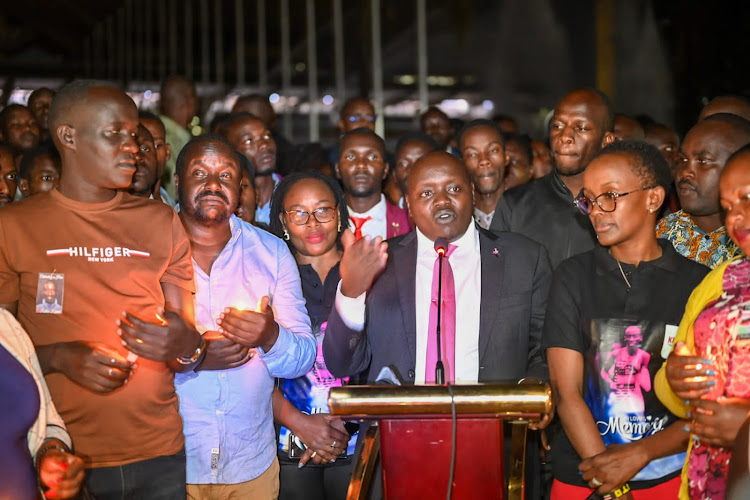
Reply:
x=441, y=247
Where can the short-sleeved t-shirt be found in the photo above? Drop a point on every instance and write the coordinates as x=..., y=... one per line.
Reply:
x=624, y=335
x=96, y=260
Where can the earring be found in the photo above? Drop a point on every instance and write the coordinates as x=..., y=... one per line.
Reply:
x=286, y=234
x=339, y=228
x=650, y=210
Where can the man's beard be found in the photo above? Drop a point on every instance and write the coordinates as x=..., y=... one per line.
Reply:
x=200, y=215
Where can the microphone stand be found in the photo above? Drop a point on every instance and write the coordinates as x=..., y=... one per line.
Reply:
x=439, y=369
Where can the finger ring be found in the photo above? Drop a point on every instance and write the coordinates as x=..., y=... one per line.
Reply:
x=596, y=482
x=139, y=341
x=110, y=372
x=313, y=455
x=333, y=445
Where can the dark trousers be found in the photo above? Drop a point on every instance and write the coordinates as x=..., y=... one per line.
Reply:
x=161, y=478
x=315, y=483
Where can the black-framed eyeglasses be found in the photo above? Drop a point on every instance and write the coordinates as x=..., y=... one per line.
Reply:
x=606, y=201
x=362, y=118
x=321, y=214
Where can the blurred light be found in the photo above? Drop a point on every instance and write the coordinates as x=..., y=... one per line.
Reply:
x=405, y=79
x=300, y=67
x=441, y=81
x=488, y=105
x=273, y=98
x=455, y=107
x=147, y=94
x=19, y=96
x=403, y=109
x=327, y=100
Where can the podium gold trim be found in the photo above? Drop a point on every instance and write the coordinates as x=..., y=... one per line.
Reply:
x=519, y=404
x=505, y=401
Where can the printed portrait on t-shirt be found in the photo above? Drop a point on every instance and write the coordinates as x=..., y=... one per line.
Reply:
x=620, y=367
x=49, y=293
x=309, y=393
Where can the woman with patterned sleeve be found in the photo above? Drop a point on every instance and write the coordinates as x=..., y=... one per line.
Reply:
x=707, y=377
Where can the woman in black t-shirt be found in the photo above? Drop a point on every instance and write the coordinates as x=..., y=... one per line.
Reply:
x=611, y=320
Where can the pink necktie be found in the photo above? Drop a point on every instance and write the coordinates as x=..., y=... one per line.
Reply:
x=358, y=223
x=447, y=325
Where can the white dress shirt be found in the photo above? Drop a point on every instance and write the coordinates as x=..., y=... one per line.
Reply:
x=378, y=225
x=467, y=275
x=484, y=220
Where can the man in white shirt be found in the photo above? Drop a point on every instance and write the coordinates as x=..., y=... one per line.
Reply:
x=483, y=151
x=362, y=168
x=501, y=284
x=382, y=313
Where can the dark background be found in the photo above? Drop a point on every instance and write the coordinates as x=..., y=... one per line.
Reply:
x=510, y=52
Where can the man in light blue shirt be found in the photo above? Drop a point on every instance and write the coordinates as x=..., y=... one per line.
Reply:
x=250, y=309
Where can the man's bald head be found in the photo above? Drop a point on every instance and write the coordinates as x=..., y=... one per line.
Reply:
x=256, y=105
x=87, y=96
x=704, y=153
x=738, y=128
x=175, y=87
x=582, y=124
x=439, y=196
x=627, y=128
x=94, y=127
x=426, y=163
x=178, y=100
x=66, y=99
x=729, y=104
x=599, y=103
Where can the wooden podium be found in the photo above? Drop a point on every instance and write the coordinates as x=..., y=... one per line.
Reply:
x=414, y=437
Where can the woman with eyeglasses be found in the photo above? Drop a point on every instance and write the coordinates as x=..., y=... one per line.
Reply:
x=611, y=321
x=707, y=377
x=309, y=211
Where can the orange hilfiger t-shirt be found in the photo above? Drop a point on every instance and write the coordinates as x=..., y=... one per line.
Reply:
x=73, y=268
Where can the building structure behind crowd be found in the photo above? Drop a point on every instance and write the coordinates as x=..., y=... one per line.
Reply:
x=169, y=283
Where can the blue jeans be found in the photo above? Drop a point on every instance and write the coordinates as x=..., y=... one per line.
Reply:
x=161, y=478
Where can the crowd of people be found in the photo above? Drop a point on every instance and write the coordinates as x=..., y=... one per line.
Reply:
x=174, y=308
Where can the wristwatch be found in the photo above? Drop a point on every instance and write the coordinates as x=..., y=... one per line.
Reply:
x=197, y=354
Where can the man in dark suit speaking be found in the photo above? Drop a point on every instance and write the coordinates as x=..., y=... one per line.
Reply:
x=382, y=314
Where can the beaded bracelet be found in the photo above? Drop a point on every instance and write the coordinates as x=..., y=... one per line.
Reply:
x=618, y=492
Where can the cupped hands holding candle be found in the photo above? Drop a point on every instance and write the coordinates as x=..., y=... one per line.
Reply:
x=170, y=339
x=223, y=353
x=250, y=328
